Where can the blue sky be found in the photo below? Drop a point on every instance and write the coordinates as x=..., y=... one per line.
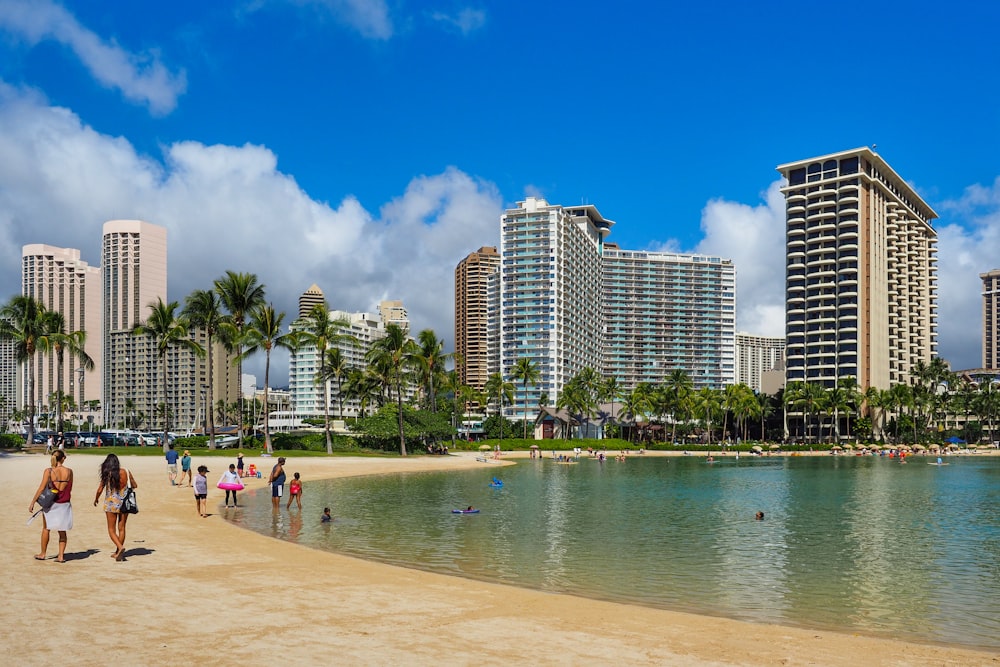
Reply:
x=367, y=146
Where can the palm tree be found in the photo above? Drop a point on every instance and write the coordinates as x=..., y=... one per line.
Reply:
x=811, y=399
x=203, y=310
x=363, y=387
x=429, y=360
x=706, y=404
x=501, y=389
x=789, y=398
x=900, y=399
x=168, y=330
x=320, y=331
x=393, y=352
x=765, y=408
x=72, y=342
x=678, y=386
x=636, y=404
x=526, y=372
x=336, y=368
x=263, y=332
x=610, y=392
x=29, y=326
x=240, y=293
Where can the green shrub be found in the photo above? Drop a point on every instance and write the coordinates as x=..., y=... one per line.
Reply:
x=11, y=441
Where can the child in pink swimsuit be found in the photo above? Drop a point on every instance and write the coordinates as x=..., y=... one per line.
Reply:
x=295, y=491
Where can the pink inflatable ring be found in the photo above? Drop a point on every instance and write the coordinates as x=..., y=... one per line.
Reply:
x=230, y=486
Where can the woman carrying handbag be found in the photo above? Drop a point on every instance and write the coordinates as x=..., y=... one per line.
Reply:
x=115, y=483
x=59, y=514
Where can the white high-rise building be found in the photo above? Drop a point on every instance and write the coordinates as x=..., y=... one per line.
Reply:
x=9, y=376
x=62, y=282
x=755, y=355
x=861, y=274
x=668, y=311
x=550, y=295
x=307, y=396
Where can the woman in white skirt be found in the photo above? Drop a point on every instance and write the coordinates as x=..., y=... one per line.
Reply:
x=59, y=517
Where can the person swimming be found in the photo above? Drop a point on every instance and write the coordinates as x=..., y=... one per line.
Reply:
x=759, y=516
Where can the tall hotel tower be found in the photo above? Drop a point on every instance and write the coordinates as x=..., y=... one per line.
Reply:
x=665, y=311
x=550, y=294
x=991, y=318
x=472, y=283
x=134, y=263
x=861, y=273
x=62, y=282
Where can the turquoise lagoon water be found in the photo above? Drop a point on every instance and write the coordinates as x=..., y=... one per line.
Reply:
x=849, y=543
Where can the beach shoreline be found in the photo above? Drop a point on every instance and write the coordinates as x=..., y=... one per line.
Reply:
x=194, y=589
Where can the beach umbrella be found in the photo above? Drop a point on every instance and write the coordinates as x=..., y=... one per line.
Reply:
x=757, y=448
x=484, y=448
x=533, y=447
x=774, y=448
x=848, y=446
x=836, y=448
x=919, y=448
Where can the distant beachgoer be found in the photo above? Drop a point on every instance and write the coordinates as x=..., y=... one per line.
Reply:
x=172, y=464
x=326, y=518
x=230, y=477
x=295, y=491
x=277, y=481
x=185, y=467
x=113, y=481
x=201, y=491
x=239, y=463
x=59, y=516
x=50, y=444
x=759, y=516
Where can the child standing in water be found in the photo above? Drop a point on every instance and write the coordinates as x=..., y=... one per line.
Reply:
x=295, y=491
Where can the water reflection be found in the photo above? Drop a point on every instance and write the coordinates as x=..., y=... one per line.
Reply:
x=848, y=543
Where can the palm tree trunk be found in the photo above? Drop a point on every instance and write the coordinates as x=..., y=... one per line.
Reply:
x=399, y=414
x=267, y=420
x=166, y=408
x=211, y=395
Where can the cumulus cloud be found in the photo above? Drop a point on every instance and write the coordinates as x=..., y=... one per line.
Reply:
x=228, y=207
x=465, y=20
x=967, y=247
x=753, y=237
x=140, y=77
x=369, y=18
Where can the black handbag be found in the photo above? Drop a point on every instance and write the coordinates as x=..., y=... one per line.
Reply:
x=129, y=504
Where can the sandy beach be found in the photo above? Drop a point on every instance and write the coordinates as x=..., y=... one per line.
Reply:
x=201, y=591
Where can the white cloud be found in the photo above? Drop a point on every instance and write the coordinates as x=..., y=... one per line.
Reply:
x=140, y=77
x=967, y=246
x=370, y=18
x=466, y=20
x=753, y=237
x=228, y=207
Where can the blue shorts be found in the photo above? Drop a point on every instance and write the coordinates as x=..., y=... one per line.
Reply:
x=276, y=490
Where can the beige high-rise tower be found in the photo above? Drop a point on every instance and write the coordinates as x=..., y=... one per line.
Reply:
x=62, y=282
x=134, y=265
x=472, y=315
x=309, y=299
x=991, y=318
x=861, y=272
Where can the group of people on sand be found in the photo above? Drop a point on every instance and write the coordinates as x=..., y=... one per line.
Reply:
x=113, y=482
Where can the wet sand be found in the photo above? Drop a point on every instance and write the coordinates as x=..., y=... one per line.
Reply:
x=195, y=590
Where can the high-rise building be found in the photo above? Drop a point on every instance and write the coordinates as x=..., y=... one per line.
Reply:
x=309, y=299
x=9, y=376
x=861, y=274
x=307, y=396
x=991, y=318
x=472, y=277
x=134, y=268
x=393, y=312
x=668, y=311
x=756, y=355
x=62, y=282
x=550, y=295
